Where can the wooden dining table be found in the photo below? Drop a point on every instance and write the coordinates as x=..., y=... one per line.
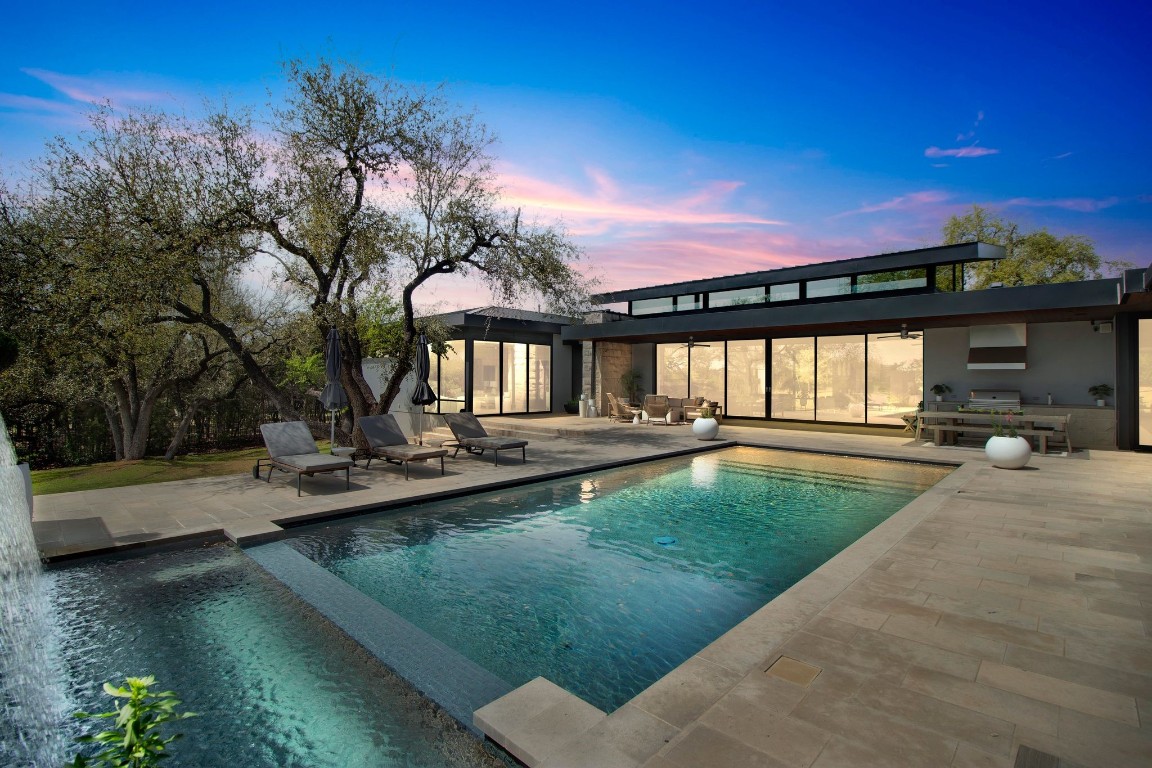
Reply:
x=946, y=426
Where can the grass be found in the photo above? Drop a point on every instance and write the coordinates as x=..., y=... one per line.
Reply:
x=116, y=474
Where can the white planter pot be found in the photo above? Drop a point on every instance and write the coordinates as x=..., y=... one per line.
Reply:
x=636, y=419
x=1008, y=452
x=1099, y=403
x=705, y=429
x=939, y=398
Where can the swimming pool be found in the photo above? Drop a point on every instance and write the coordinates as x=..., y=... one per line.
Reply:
x=273, y=683
x=606, y=582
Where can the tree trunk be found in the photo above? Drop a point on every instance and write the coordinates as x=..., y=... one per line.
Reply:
x=114, y=429
x=182, y=430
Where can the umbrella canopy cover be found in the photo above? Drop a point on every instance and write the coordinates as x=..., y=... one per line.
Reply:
x=333, y=397
x=422, y=394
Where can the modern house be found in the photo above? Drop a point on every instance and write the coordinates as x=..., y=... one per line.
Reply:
x=856, y=342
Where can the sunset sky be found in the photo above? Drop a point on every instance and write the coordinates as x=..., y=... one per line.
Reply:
x=677, y=141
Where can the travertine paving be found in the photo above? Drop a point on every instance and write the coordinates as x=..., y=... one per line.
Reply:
x=999, y=609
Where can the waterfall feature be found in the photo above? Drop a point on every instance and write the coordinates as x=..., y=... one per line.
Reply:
x=31, y=702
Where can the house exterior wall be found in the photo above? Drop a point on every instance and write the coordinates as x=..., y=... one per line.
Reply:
x=613, y=359
x=644, y=360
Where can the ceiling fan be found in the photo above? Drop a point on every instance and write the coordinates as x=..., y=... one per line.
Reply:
x=904, y=334
x=691, y=344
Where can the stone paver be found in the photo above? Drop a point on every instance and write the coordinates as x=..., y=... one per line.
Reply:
x=999, y=609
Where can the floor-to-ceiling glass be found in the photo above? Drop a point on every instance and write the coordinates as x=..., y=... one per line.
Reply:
x=672, y=370
x=706, y=365
x=449, y=375
x=794, y=378
x=895, y=377
x=539, y=377
x=746, y=368
x=485, y=377
x=840, y=378
x=515, y=379
x=1144, y=381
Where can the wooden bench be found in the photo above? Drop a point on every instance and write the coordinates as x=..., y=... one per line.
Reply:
x=947, y=426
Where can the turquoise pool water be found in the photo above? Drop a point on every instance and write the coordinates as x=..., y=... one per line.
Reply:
x=274, y=684
x=605, y=583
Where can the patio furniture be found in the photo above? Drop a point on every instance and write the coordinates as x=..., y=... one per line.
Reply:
x=657, y=408
x=389, y=442
x=946, y=426
x=473, y=438
x=693, y=405
x=291, y=448
x=619, y=411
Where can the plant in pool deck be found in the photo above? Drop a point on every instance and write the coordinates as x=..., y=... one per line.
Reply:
x=1003, y=428
x=135, y=741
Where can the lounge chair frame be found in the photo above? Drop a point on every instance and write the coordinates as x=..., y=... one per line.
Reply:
x=387, y=441
x=292, y=449
x=470, y=435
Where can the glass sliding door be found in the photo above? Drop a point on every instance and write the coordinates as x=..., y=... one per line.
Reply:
x=747, y=368
x=840, y=378
x=895, y=377
x=706, y=363
x=450, y=382
x=515, y=379
x=672, y=370
x=485, y=377
x=539, y=378
x=794, y=378
x=1144, y=382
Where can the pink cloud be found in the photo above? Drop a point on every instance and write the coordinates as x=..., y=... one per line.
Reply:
x=94, y=91
x=1079, y=204
x=960, y=152
x=903, y=202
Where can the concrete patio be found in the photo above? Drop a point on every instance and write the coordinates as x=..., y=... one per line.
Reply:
x=1000, y=610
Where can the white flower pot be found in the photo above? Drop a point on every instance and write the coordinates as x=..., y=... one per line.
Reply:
x=636, y=419
x=1008, y=452
x=705, y=429
x=939, y=398
x=1099, y=403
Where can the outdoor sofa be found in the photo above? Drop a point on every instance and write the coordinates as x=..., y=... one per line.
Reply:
x=388, y=441
x=470, y=435
x=291, y=448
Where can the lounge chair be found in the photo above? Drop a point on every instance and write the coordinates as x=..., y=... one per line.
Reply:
x=291, y=448
x=619, y=411
x=471, y=436
x=656, y=406
x=389, y=442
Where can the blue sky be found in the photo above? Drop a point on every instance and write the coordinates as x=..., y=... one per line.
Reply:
x=676, y=140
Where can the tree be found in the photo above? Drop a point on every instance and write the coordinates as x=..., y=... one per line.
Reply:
x=1034, y=258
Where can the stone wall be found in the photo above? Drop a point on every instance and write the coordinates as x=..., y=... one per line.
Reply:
x=602, y=374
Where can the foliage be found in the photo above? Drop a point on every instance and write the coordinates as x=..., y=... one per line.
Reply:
x=304, y=370
x=941, y=389
x=135, y=741
x=706, y=412
x=1032, y=258
x=630, y=384
x=1100, y=391
x=1000, y=427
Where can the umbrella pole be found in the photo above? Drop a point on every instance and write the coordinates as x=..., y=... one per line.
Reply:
x=332, y=439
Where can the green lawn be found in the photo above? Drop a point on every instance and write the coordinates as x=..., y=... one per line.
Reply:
x=115, y=474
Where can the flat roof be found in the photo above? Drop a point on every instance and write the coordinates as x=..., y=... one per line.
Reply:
x=921, y=257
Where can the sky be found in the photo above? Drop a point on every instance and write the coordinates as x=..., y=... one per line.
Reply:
x=676, y=141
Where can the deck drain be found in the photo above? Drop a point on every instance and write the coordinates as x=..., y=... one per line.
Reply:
x=665, y=541
x=793, y=671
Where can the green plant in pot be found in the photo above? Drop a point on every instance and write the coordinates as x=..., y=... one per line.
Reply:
x=630, y=385
x=940, y=390
x=1100, y=391
x=572, y=406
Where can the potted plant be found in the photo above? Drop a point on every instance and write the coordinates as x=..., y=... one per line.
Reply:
x=1006, y=449
x=572, y=407
x=705, y=427
x=630, y=385
x=940, y=390
x=1100, y=391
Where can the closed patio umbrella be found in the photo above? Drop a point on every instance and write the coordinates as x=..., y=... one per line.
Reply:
x=333, y=397
x=422, y=395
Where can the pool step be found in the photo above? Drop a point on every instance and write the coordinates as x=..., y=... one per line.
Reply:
x=541, y=724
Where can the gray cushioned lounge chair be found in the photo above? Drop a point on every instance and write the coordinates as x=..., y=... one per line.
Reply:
x=471, y=436
x=390, y=443
x=291, y=448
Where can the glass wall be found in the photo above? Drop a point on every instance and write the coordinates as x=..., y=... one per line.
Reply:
x=840, y=378
x=832, y=286
x=707, y=371
x=689, y=301
x=794, y=378
x=448, y=377
x=515, y=378
x=784, y=292
x=895, y=377
x=539, y=378
x=672, y=370
x=485, y=377
x=746, y=368
x=1144, y=381
x=736, y=297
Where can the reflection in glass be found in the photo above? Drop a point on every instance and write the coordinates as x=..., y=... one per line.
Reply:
x=784, y=292
x=840, y=378
x=515, y=393
x=900, y=279
x=736, y=297
x=707, y=364
x=895, y=377
x=485, y=377
x=671, y=370
x=450, y=368
x=1144, y=380
x=746, y=385
x=793, y=378
x=652, y=306
x=832, y=286
x=539, y=377
x=690, y=301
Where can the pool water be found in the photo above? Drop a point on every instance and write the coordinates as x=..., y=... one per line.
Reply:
x=272, y=682
x=605, y=583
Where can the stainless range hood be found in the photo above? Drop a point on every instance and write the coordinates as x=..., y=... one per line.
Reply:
x=998, y=347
